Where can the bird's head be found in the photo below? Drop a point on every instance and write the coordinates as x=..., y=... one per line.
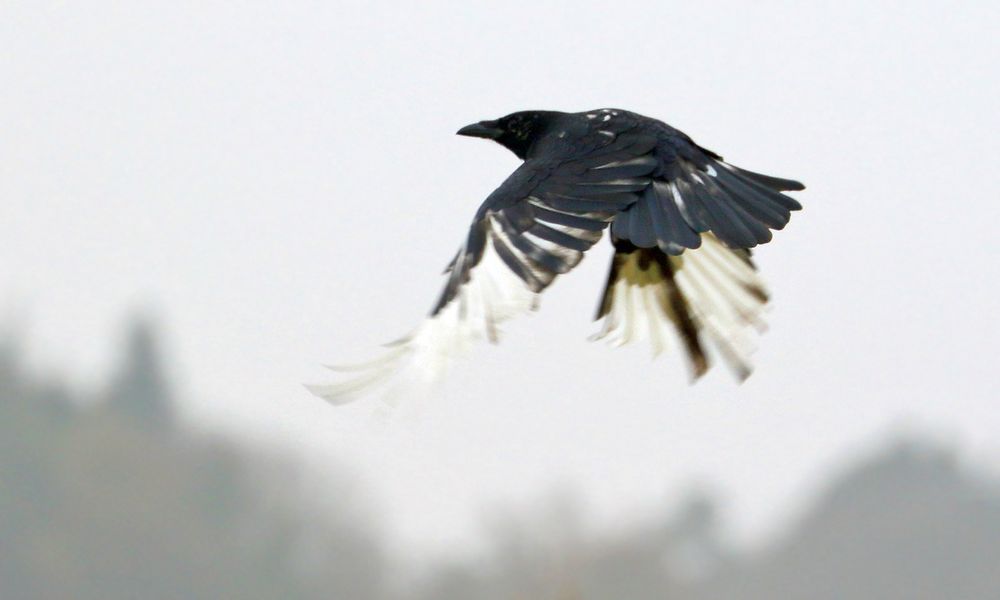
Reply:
x=516, y=132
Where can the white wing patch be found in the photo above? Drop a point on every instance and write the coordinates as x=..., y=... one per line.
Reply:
x=725, y=295
x=639, y=308
x=492, y=295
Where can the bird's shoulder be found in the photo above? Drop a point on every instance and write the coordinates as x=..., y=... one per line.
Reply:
x=578, y=134
x=525, y=178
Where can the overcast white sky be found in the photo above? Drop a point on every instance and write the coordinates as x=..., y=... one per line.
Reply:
x=279, y=182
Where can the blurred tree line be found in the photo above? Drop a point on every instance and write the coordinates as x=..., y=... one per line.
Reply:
x=110, y=495
x=113, y=497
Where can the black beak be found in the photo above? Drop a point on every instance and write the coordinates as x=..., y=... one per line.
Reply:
x=483, y=129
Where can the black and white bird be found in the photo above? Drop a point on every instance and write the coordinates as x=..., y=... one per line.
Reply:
x=682, y=222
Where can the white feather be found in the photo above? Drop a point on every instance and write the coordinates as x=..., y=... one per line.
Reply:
x=716, y=283
x=637, y=308
x=492, y=295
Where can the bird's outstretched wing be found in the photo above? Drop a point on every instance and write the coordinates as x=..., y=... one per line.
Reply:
x=535, y=226
x=694, y=191
x=682, y=260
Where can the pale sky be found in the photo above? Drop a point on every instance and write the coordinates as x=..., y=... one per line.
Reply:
x=281, y=185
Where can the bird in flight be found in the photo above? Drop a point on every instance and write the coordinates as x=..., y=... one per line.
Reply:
x=681, y=219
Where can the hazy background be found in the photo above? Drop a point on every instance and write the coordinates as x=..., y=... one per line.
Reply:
x=278, y=185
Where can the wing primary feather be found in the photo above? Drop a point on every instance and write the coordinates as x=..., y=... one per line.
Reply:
x=726, y=225
x=608, y=296
x=758, y=230
x=608, y=205
x=762, y=204
x=787, y=201
x=640, y=227
x=568, y=220
x=672, y=231
x=775, y=183
x=558, y=237
x=539, y=256
x=518, y=267
x=692, y=205
x=765, y=212
x=687, y=327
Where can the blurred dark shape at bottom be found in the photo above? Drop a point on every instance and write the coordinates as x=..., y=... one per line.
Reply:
x=113, y=497
x=908, y=523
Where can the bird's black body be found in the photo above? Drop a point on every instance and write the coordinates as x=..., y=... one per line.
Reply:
x=682, y=222
x=658, y=190
x=651, y=182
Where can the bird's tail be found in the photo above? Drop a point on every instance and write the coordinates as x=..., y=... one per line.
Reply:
x=709, y=294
